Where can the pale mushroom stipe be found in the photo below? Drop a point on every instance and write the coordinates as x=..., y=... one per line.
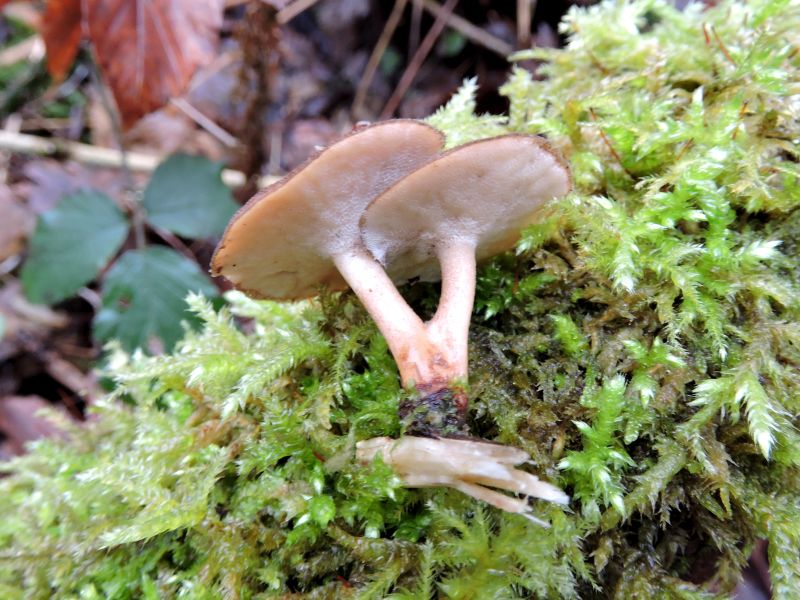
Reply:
x=384, y=205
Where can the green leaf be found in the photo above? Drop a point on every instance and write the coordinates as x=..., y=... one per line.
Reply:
x=72, y=242
x=143, y=297
x=186, y=196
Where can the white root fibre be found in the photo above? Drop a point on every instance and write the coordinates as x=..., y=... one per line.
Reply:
x=469, y=466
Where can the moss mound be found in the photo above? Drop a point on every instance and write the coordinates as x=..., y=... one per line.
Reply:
x=643, y=344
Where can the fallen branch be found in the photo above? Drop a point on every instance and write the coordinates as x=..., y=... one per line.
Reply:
x=21, y=143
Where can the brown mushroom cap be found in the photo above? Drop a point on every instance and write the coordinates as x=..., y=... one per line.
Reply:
x=482, y=193
x=281, y=243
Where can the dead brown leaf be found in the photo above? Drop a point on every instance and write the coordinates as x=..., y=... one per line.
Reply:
x=166, y=131
x=81, y=384
x=304, y=137
x=15, y=225
x=335, y=15
x=51, y=180
x=26, y=324
x=149, y=49
x=61, y=32
x=21, y=422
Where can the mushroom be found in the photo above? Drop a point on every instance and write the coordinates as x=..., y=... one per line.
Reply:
x=429, y=212
x=303, y=231
x=466, y=205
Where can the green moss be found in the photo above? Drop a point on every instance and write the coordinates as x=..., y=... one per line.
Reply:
x=642, y=345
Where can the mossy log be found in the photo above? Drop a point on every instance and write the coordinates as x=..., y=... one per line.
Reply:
x=642, y=345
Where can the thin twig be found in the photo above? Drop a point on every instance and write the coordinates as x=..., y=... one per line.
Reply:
x=26, y=13
x=205, y=122
x=415, y=28
x=525, y=10
x=722, y=47
x=419, y=57
x=100, y=157
x=377, y=54
x=295, y=8
x=470, y=31
x=30, y=49
x=13, y=124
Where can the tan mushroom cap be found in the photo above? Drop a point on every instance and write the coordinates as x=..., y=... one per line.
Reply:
x=483, y=193
x=281, y=243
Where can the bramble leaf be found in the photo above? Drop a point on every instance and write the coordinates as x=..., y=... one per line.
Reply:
x=72, y=242
x=144, y=298
x=187, y=196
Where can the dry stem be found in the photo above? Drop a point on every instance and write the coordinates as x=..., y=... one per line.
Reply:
x=100, y=157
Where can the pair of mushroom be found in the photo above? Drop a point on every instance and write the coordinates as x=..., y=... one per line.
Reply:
x=384, y=205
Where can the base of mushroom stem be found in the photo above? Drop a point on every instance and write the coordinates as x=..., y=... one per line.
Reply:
x=434, y=414
x=473, y=467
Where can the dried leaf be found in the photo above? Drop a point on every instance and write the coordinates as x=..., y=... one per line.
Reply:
x=16, y=224
x=61, y=32
x=26, y=324
x=167, y=131
x=71, y=377
x=148, y=50
x=51, y=180
x=21, y=423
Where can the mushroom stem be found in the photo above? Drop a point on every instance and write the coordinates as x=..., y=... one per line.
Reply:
x=430, y=356
x=449, y=327
x=404, y=331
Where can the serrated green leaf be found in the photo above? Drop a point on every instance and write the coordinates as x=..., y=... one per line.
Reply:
x=187, y=196
x=143, y=297
x=72, y=242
